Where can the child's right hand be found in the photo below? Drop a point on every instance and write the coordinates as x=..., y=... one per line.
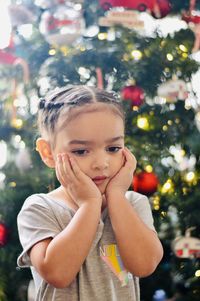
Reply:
x=80, y=187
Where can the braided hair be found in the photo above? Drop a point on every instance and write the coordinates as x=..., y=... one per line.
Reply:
x=64, y=100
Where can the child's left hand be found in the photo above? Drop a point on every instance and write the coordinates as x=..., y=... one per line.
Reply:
x=122, y=180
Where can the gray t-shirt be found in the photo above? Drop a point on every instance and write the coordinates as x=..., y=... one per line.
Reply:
x=102, y=275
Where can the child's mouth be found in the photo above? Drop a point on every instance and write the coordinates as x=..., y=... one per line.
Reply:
x=99, y=180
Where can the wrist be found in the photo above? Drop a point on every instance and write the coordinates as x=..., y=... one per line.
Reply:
x=92, y=203
x=115, y=194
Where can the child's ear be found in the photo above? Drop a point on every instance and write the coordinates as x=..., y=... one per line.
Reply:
x=44, y=149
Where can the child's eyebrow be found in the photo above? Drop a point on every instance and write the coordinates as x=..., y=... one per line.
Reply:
x=90, y=142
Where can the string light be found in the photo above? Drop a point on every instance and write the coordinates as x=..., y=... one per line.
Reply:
x=183, y=48
x=184, y=55
x=135, y=108
x=169, y=57
x=167, y=187
x=156, y=202
x=82, y=48
x=136, y=54
x=190, y=176
x=164, y=213
x=64, y=50
x=143, y=123
x=52, y=52
x=185, y=190
x=165, y=128
x=126, y=57
x=197, y=273
x=102, y=36
x=17, y=123
x=149, y=168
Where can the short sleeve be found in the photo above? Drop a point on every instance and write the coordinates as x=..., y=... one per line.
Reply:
x=36, y=221
x=142, y=207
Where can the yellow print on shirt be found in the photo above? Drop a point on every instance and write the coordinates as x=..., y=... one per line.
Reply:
x=110, y=255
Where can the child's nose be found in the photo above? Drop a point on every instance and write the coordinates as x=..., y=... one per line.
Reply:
x=100, y=161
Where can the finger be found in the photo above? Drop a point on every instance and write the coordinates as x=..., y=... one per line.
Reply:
x=129, y=153
x=76, y=169
x=59, y=173
x=130, y=158
x=68, y=171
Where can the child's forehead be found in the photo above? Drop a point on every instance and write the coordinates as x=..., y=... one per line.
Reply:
x=74, y=113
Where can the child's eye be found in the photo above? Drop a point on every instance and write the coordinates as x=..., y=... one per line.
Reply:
x=114, y=149
x=80, y=152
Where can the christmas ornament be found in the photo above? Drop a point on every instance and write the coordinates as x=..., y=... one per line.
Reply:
x=23, y=160
x=161, y=8
x=186, y=246
x=173, y=90
x=145, y=182
x=192, y=17
x=10, y=59
x=19, y=14
x=62, y=25
x=3, y=235
x=133, y=93
x=48, y=3
x=158, y=8
x=45, y=4
x=127, y=18
x=159, y=295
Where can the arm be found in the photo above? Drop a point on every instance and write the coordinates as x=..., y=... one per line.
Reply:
x=139, y=246
x=59, y=260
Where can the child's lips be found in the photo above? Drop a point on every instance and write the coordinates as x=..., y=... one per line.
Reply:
x=99, y=180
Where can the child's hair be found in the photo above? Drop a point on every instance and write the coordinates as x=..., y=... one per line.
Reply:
x=63, y=100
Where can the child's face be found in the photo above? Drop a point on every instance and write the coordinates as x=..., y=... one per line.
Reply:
x=99, y=156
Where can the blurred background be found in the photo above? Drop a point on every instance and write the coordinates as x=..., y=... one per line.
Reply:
x=149, y=53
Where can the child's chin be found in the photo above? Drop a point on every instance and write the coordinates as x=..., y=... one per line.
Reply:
x=102, y=189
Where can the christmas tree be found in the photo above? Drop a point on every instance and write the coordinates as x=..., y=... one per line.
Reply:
x=148, y=53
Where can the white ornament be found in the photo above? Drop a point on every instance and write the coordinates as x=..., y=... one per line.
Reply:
x=23, y=160
x=173, y=90
x=186, y=246
x=62, y=25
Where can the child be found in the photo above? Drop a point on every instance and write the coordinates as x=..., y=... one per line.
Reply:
x=89, y=239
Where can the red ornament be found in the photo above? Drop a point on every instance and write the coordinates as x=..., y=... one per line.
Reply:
x=3, y=235
x=7, y=58
x=145, y=182
x=161, y=9
x=133, y=93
